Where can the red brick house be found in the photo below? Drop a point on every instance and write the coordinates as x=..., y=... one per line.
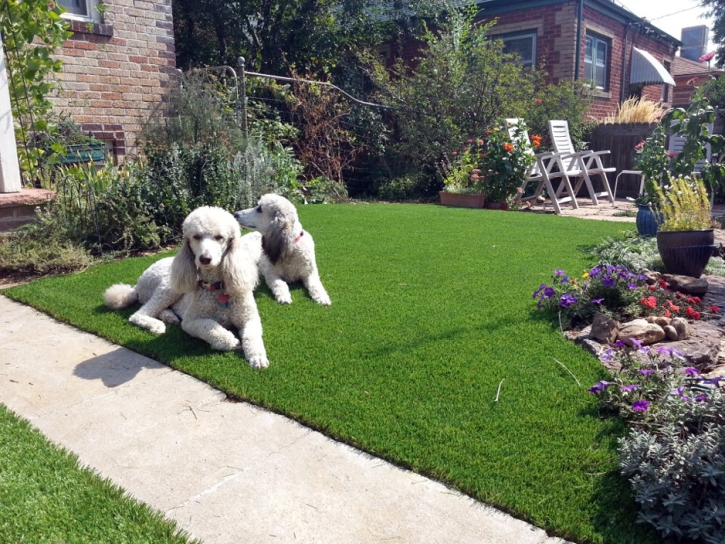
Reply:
x=596, y=40
x=116, y=67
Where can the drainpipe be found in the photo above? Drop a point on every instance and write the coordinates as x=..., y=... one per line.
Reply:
x=578, y=50
x=624, y=63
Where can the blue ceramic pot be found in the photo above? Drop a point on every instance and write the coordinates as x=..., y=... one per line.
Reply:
x=647, y=223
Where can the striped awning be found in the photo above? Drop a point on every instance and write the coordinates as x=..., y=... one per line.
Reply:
x=647, y=70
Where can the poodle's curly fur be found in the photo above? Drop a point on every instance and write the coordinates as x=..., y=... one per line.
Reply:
x=209, y=285
x=287, y=251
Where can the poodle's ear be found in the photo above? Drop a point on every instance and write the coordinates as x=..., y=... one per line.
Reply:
x=239, y=271
x=280, y=236
x=183, y=270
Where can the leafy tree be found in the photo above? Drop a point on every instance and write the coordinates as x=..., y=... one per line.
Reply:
x=462, y=83
x=274, y=34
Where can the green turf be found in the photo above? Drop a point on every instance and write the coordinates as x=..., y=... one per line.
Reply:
x=45, y=497
x=431, y=310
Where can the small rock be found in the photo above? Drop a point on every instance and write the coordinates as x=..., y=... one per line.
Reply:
x=671, y=333
x=662, y=321
x=604, y=328
x=652, y=277
x=639, y=329
x=683, y=328
x=686, y=284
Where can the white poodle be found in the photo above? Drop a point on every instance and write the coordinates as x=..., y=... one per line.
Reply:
x=288, y=251
x=209, y=285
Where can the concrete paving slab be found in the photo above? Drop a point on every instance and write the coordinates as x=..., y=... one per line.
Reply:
x=228, y=472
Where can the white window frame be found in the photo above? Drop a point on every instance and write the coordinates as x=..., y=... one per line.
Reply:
x=93, y=15
x=531, y=34
x=593, y=64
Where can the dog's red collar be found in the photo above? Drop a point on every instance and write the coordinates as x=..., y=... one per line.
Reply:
x=222, y=298
x=300, y=236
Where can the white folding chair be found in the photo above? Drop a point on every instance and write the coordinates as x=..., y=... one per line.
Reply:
x=547, y=168
x=589, y=163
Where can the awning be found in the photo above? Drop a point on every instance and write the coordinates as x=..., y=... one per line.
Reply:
x=646, y=70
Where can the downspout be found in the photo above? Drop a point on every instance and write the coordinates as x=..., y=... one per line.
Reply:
x=624, y=62
x=578, y=50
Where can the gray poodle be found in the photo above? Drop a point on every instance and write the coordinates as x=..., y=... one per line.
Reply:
x=287, y=251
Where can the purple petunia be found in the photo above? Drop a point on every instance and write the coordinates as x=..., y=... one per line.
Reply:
x=599, y=387
x=632, y=286
x=620, y=344
x=549, y=292
x=714, y=381
x=640, y=405
x=608, y=355
x=539, y=290
x=702, y=397
x=646, y=371
x=629, y=388
x=567, y=299
x=609, y=281
x=558, y=273
x=596, y=271
x=597, y=300
x=662, y=350
x=691, y=371
x=636, y=343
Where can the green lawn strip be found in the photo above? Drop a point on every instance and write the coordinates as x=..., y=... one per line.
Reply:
x=45, y=496
x=431, y=309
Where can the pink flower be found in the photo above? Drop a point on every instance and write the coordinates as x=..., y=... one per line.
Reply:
x=469, y=141
x=454, y=153
x=639, y=146
x=538, y=100
x=707, y=57
x=672, y=154
x=692, y=81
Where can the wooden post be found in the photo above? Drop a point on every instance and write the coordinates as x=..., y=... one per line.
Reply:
x=242, y=94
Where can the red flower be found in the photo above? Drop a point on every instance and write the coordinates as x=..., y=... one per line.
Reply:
x=667, y=313
x=508, y=147
x=639, y=146
x=715, y=309
x=538, y=100
x=454, y=153
x=651, y=288
x=690, y=311
x=697, y=300
x=663, y=284
x=680, y=295
x=650, y=302
x=536, y=140
x=696, y=315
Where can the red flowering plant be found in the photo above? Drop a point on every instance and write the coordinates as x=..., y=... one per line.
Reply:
x=493, y=164
x=617, y=292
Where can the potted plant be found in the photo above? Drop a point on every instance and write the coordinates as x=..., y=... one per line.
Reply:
x=462, y=177
x=654, y=163
x=685, y=238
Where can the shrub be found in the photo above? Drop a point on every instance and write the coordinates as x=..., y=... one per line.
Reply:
x=636, y=110
x=674, y=452
x=685, y=205
x=25, y=253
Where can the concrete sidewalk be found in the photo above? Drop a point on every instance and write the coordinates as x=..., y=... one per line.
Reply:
x=227, y=472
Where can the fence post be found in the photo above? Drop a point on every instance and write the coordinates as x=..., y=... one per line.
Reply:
x=243, y=93
x=9, y=168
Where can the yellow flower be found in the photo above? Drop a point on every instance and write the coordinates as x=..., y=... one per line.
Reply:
x=585, y=275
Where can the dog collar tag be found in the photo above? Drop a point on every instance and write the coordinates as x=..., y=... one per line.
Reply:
x=223, y=300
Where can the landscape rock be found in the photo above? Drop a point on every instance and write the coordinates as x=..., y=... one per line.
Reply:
x=671, y=332
x=701, y=350
x=604, y=328
x=686, y=284
x=640, y=329
x=683, y=328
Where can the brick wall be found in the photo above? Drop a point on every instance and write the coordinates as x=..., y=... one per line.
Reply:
x=115, y=73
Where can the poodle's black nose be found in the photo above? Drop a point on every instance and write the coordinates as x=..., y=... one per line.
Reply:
x=204, y=260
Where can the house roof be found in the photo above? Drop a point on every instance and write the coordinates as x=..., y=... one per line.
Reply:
x=691, y=68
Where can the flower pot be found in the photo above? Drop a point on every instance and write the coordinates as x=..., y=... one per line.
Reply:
x=462, y=200
x=686, y=252
x=496, y=205
x=647, y=221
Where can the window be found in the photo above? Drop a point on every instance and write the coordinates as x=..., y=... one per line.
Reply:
x=79, y=9
x=666, y=88
x=596, y=60
x=523, y=44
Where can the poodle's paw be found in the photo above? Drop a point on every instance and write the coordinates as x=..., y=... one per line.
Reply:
x=149, y=323
x=258, y=361
x=323, y=300
x=169, y=317
x=284, y=298
x=229, y=343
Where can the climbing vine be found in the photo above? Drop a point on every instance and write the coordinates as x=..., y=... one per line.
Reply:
x=31, y=31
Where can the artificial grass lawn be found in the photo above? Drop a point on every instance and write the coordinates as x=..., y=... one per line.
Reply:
x=46, y=497
x=431, y=310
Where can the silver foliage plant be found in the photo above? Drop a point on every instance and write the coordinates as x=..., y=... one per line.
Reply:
x=676, y=466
